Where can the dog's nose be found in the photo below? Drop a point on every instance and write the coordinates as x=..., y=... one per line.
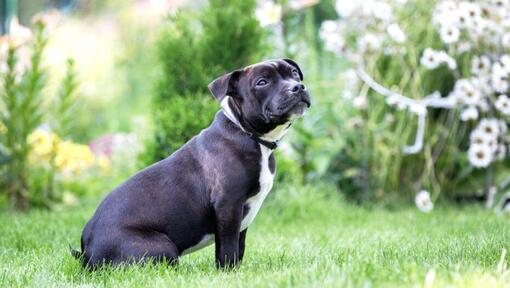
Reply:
x=298, y=88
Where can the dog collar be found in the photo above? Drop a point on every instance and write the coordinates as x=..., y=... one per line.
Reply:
x=272, y=145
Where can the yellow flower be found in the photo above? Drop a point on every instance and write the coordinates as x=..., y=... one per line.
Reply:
x=73, y=158
x=43, y=145
x=104, y=163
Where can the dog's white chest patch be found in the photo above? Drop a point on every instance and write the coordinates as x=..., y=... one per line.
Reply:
x=266, y=183
x=207, y=240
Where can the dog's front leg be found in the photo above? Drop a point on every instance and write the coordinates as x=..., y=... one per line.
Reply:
x=228, y=223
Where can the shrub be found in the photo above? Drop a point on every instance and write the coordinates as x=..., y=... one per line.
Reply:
x=22, y=111
x=179, y=120
x=193, y=53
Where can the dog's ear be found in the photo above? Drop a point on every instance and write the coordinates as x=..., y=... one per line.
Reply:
x=225, y=85
x=291, y=62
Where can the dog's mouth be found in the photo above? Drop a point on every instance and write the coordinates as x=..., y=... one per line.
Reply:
x=290, y=108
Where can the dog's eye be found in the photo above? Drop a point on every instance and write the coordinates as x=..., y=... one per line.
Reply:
x=262, y=82
x=295, y=72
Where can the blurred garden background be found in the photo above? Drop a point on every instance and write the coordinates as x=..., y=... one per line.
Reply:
x=398, y=174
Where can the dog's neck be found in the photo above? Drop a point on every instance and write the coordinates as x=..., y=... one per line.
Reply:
x=274, y=135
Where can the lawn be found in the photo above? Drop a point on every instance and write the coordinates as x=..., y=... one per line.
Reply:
x=302, y=237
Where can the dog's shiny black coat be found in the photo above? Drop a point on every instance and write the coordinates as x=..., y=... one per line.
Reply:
x=202, y=188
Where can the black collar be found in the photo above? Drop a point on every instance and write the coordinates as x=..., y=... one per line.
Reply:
x=255, y=136
x=269, y=144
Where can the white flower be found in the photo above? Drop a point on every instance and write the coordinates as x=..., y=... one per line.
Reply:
x=423, y=201
x=471, y=10
x=505, y=40
x=505, y=63
x=483, y=84
x=330, y=33
x=469, y=113
x=466, y=92
x=503, y=104
x=480, y=155
x=268, y=13
x=396, y=33
x=489, y=127
x=477, y=137
x=360, y=102
x=346, y=8
x=498, y=78
x=481, y=65
x=369, y=42
x=445, y=14
x=452, y=64
x=430, y=59
x=382, y=11
x=449, y=34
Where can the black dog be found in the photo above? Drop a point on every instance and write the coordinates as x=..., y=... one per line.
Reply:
x=212, y=187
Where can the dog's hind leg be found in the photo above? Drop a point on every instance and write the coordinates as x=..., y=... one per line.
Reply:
x=143, y=246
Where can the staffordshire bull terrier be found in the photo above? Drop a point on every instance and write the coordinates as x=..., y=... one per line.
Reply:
x=210, y=190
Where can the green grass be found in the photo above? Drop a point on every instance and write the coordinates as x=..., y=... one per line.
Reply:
x=302, y=237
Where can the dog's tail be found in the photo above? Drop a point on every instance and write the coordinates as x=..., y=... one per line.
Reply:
x=75, y=253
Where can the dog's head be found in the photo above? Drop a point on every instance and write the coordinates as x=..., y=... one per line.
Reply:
x=264, y=95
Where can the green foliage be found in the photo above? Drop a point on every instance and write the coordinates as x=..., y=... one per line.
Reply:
x=22, y=110
x=192, y=53
x=21, y=114
x=179, y=120
x=64, y=105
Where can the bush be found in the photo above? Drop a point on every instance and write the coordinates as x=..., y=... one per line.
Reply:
x=192, y=54
x=179, y=120
x=28, y=156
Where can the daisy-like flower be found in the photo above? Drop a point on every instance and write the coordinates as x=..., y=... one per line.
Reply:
x=469, y=113
x=423, y=201
x=503, y=104
x=449, y=34
x=483, y=84
x=481, y=65
x=430, y=59
x=477, y=137
x=467, y=92
x=445, y=58
x=489, y=127
x=505, y=63
x=499, y=78
x=446, y=14
x=471, y=10
x=480, y=155
x=396, y=33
